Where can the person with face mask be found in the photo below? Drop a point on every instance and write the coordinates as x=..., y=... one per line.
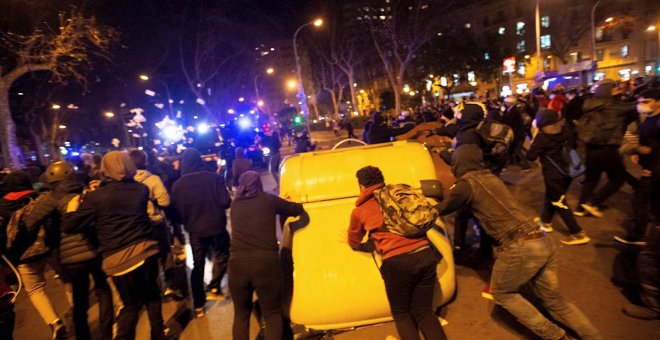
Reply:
x=647, y=154
x=646, y=202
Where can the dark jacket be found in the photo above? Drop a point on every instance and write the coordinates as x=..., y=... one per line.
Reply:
x=487, y=197
x=200, y=197
x=8, y=204
x=552, y=146
x=71, y=248
x=649, y=135
x=117, y=211
x=379, y=132
x=572, y=111
x=253, y=224
x=513, y=118
x=610, y=124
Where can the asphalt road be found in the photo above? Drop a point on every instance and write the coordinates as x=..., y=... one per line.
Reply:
x=597, y=277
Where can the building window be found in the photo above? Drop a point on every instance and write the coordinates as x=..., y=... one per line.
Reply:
x=486, y=56
x=521, y=68
x=520, y=28
x=624, y=51
x=545, y=41
x=599, y=54
x=545, y=21
x=472, y=78
x=457, y=79
x=468, y=25
x=547, y=63
x=575, y=57
x=501, y=30
x=520, y=47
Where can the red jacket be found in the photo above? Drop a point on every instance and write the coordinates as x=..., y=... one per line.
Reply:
x=368, y=216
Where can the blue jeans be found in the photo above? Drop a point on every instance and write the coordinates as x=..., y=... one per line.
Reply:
x=535, y=262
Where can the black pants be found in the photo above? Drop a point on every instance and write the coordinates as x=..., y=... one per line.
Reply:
x=409, y=282
x=161, y=233
x=648, y=266
x=78, y=274
x=555, y=202
x=219, y=247
x=140, y=288
x=7, y=320
x=516, y=154
x=645, y=203
x=263, y=275
x=602, y=159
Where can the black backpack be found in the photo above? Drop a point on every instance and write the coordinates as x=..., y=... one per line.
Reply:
x=498, y=136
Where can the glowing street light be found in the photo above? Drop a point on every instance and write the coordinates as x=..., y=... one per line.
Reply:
x=241, y=99
x=109, y=114
x=292, y=84
x=62, y=127
x=144, y=77
x=260, y=103
x=270, y=70
x=301, y=91
x=56, y=107
x=610, y=19
x=650, y=28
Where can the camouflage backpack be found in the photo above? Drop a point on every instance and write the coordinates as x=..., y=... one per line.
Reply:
x=406, y=211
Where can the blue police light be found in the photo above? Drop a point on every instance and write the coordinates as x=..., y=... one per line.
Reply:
x=202, y=128
x=244, y=123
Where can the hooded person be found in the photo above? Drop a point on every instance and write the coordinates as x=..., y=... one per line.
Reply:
x=525, y=254
x=240, y=165
x=201, y=199
x=254, y=263
x=602, y=128
x=117, y=213
x=75, y=254
x=550, y=145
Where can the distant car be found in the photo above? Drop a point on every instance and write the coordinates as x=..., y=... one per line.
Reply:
x=331, y=286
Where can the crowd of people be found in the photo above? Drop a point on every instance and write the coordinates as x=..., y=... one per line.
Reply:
x=119, y=221
x=120, y=218
x=601, y=126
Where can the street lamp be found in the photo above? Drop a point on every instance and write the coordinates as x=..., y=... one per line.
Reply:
x=301, y=90
x=593, y=31
x=292, y=84
x=269, y=71
x=653, y=28
x=56, y=107
x=144, y=77
x=538, y=36
x=109, y=114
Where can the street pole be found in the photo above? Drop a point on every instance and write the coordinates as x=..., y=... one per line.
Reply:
x=538, y=36
x=256, y=88
x=593, y=31
x=301, y=90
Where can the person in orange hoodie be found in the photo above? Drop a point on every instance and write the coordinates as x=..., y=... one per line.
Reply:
x=408, y=267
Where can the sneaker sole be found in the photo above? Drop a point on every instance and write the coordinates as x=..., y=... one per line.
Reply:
x=592, y=211
x=576, y=242
x=579, y=213
x=630, y=243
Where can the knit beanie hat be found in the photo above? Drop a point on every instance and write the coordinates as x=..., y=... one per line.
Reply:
x=546, y=117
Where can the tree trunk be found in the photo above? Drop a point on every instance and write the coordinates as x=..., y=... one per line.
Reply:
x=11, y=153
x=36, y=140
x=351, y=81
x=397, y=99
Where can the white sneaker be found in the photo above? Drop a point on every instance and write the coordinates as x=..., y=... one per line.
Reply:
x=547, y=227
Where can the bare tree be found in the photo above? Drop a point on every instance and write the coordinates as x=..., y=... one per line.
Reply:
x=212, y=57
x=399, y=33
x=566, y=26
x=65, y=51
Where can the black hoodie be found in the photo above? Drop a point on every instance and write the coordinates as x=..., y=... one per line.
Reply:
x=200, y=197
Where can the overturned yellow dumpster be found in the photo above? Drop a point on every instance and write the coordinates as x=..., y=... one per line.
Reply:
x=333, y=286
